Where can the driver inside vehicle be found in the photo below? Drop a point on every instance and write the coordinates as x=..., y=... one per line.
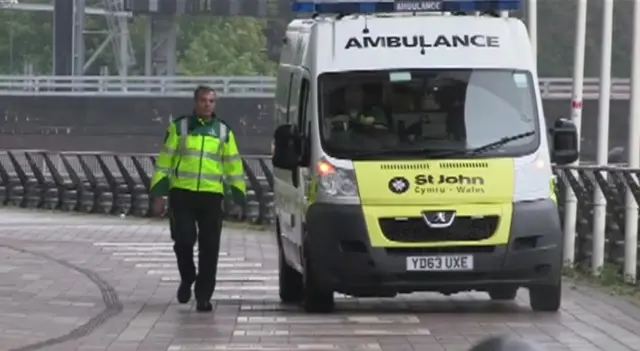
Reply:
x=355, y=115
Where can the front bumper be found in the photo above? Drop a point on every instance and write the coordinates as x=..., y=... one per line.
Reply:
x=343, y=258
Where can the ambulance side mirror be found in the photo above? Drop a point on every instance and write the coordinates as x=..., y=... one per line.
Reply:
x=285, y=148
x=564, y=138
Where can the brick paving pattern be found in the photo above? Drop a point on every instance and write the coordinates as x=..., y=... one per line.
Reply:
x=77, y=282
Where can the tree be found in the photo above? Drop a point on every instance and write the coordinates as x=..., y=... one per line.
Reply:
x=225, y=47
x=25, y=37
x=556, y=33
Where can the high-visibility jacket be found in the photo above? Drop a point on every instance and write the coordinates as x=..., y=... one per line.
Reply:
x=199, y=155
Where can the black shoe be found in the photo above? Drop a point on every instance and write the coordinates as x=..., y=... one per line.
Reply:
x=204, y=306
x=184, y=292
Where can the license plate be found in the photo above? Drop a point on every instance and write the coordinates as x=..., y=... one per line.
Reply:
x=440, y=263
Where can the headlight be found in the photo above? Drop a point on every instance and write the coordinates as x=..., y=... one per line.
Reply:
x=335, y=181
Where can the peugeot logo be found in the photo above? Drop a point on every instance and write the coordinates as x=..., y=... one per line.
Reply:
x=439, y=219
x=398, y=185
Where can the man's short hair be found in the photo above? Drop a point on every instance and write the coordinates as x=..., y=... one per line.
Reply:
x=202, y=89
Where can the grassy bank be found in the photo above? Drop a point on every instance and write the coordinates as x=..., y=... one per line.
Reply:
x=610, y=280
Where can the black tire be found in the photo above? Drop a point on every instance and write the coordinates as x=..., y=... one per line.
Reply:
x=289, y=280
x=316, y=298
x=503, y=293
x=546, y=298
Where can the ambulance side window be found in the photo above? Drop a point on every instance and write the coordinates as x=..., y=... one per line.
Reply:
x=302, y=105
x=304, y=123
x=291, y=91
x=283, y=96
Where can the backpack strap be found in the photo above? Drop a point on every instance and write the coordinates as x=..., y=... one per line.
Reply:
x=184, y=133
x=223, y=135
x=224, y=132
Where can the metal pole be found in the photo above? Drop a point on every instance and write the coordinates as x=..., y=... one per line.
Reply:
x=98, y=51
x=170, y=53
x=124, y=57
x=148, y=47
x=571, y=206
x=532, y=23
x=123, y=52
x=631, y=215
x=78, y=37
x=11, y=70
x=148, y=50
x=600, y=202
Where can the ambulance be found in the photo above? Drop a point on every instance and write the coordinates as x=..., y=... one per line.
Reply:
x=411, y=154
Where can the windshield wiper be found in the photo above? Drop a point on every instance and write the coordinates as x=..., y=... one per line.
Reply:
x=422, y=150
x=430, y=152
x=487, y=147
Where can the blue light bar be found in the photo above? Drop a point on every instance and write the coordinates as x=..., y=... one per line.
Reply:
x=353, y=7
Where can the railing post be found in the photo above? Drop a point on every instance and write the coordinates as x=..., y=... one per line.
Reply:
x=571, y=207
x=532, y=26
x=631, y=213
x=600, y=202
x=599, y=229
x=630, y=238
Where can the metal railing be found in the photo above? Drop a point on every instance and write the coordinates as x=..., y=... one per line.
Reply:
x=550, y=88
x=134, y=86
x=119, y=183
x=108, y=183
x=614, y=181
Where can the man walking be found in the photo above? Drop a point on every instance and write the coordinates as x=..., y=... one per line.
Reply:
x=199, y=161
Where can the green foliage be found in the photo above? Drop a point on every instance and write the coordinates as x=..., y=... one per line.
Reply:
x=25, y=37
x=556, y=35
x=224, y=47
x=206, y=45
x=608, y=279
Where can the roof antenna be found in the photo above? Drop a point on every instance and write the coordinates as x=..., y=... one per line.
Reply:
x=365, y=30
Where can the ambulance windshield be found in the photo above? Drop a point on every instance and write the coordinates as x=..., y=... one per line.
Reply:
x=399, y=112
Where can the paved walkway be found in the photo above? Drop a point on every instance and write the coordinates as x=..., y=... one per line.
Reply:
x=73, y=282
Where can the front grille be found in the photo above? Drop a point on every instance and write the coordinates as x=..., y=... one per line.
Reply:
x=414, y=229
x=463, y=164
x=404, y=166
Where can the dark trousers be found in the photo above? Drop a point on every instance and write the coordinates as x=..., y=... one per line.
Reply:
x=196, y=216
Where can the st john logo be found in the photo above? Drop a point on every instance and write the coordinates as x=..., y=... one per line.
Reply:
x=398, y=185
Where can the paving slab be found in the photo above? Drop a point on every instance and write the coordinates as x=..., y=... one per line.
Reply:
x=78, y=282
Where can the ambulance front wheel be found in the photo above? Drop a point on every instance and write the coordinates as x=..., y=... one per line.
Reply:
x=317, y=299
x=545, y=297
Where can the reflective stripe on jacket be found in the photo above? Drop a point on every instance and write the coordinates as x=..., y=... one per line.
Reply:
x=198, y=155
